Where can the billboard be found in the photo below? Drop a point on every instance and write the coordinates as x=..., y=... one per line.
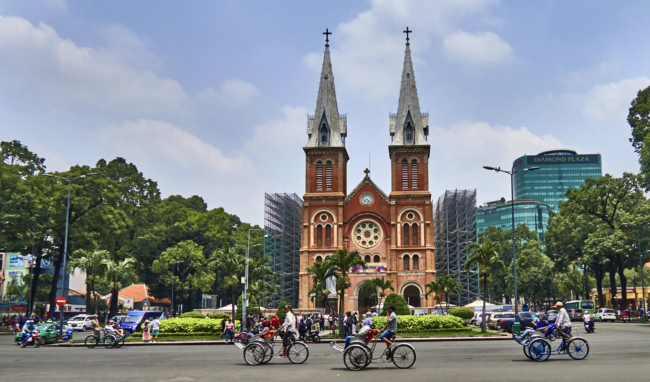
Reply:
x=16, y=261
x=540, y=160
x=369, y=268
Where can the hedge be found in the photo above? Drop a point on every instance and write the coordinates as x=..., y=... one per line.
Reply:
x=192, y=325
x=192, y=315
x=401, y=306
x=463, y=313
x=218, y=315
x=414, y=324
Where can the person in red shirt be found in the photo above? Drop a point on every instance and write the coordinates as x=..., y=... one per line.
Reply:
x=275, y=322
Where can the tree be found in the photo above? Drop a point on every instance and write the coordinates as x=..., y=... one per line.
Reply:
x=433, y=287
x=486, y=256
x=401, y=306
x=320, y=273
x=639, y=119
x=250, y=307
x=376, y=287
x=449, y=285
x=343, y=260
x=534, y=274
x=259, y=290
x=92, y=264
x=231, y=265
x=281, y=313
x=117, y=272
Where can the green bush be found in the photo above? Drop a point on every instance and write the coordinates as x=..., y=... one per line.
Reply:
x=251, y=308
x=463, y=313
x=192, y=315
x=401, y=306
x=192, y=325
x=280, y=313
x=414, y=324
x=218, y=316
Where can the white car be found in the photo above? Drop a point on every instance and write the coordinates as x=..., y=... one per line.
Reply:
x=604, y=315
x=81, y=322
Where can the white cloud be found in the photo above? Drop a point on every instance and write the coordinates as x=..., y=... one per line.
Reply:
x=481, y=144
x=366, y=50
x=275, y=136
x=37, y=61
x=610, y=102
x=479, y=48
x=233, y=93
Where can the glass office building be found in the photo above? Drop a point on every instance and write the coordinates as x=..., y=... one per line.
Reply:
x=559, y=171
x=499, y=214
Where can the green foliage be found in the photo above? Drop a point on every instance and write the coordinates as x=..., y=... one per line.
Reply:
x=192, y=325
x=218, y=316
x=376, y=288
x=251, y=308
x=280, y=312
x=485, y=255
x=414, y=324
x=401, y=306
x=343, y=260
x=639, y=119
x=463, y=313
x=192, y=315
x=449, y=285
x=320, y=273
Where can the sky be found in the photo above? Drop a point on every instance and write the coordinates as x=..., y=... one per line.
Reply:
x=211, y=98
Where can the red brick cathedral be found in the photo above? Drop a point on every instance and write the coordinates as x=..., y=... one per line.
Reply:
x=393, y=232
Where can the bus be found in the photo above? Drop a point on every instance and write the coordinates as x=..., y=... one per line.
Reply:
x=580, y=307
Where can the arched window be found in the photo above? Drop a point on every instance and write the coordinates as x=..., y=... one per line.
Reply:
x=328, y=176
x=414, y=174
x=328, y=235
x=324, y=135
x=377, y=259
x=319, y=259
x=366, y=258
x=405, y=238
x=319, y=176
x=405, y=175
x=406, y=262
x=416, y=262
x=408, y=133
x=414, y=229
x=319, y=236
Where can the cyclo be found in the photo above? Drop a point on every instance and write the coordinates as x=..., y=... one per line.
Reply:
x=260, y=349
x=360, y=353
x=538, y=348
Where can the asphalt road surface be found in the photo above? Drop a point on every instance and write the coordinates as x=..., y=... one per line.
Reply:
x=617, y=352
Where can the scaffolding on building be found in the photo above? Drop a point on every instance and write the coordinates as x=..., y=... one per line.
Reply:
x=282, y=221
x=454, y=230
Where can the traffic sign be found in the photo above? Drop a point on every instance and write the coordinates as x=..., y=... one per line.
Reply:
x=60, y=301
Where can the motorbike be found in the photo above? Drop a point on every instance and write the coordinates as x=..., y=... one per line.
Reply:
x=625, y=318
x=31, y=338
x=313, y=336
x=589, y=327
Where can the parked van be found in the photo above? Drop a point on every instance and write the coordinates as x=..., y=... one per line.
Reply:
x=133, y=320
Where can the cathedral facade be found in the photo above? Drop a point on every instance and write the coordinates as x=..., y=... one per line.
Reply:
x=392, y=232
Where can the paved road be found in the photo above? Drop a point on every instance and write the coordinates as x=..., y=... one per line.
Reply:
x=618, y=352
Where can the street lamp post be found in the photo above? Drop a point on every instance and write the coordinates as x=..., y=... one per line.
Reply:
x=65, y=240
x=516, y=327
x=638, y=237
x=244, y=300
x=172, y=280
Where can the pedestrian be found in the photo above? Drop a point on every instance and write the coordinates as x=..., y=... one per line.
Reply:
x=223, y=324
x=155, y=329
x=302, y=329
x=229, y=330
x=146, y=332
x=275, y=322
x=355, y=321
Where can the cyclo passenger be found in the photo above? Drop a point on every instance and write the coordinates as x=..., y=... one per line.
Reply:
x=390, y=327
x=539, y=322
x=287, y=330
x=563, y=323
x=361, y=335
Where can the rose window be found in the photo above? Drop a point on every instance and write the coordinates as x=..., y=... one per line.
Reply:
x=367, y=234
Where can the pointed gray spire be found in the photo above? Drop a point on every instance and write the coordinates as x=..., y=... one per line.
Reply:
x=409, y=121
x=326, y=128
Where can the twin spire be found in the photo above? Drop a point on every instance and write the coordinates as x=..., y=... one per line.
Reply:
x=327, y=128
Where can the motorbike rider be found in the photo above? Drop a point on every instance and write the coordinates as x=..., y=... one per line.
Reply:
x=589, y=322
x=30, y=328
x=563, y=322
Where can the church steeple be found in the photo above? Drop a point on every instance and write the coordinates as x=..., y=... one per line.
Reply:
x=326, y=128
x=408, y=126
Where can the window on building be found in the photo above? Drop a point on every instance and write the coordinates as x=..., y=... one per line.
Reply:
x=319, y=259
x=414, y=228
x=405, y=239
x=406, y=262
x=408, y=133
x=328, y=176
x=405, y=175
x=328, y=235
x=319, y=236
x=324, y=135
x=366, y=258
x=377, y=259
x=414, y=174
x=416, y=262
x=319, y=176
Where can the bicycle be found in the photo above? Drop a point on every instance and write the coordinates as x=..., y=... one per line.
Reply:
x=539, y=348
x=358, y=355
x=260, y=349
x=118, y=340
x=94, y=340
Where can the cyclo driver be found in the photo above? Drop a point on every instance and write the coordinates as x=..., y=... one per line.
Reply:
x=287, y=330
x=563, y=323
x=391, y=327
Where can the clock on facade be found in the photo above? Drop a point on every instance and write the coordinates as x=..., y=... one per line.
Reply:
x=366, y=198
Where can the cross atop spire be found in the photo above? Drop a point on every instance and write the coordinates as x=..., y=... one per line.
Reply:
x=327, y=34
x=367, y=172
x=407, y=31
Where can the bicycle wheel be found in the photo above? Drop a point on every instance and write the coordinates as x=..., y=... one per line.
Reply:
x=526, y=352
x=254, y=354
x=578, y=348
x=91, y=342
x=355, y=357
x=316, y=338
x=268, y=351
x=109, y=342
x=539, y=350
x=298, y=353
x=119, y=342
x=403, y=356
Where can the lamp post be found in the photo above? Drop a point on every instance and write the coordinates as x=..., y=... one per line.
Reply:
x=245, y=296
x=172, y=280
x=65, y=240
x=516, y=327
x=638, y=238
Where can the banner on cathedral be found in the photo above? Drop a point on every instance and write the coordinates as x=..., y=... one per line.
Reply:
x=369, y=268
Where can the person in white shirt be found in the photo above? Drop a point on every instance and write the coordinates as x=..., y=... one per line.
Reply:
x=287, y=330
x=563, y=322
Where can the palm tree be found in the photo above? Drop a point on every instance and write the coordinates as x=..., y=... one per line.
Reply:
x=449, y=285
x=485, y=254
x=320, y=273
x=116, y=273
x=433, y=287
x=91, y=264
x=231, y=263
x=343, y=260
x=259, y=289
x=376, y=288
